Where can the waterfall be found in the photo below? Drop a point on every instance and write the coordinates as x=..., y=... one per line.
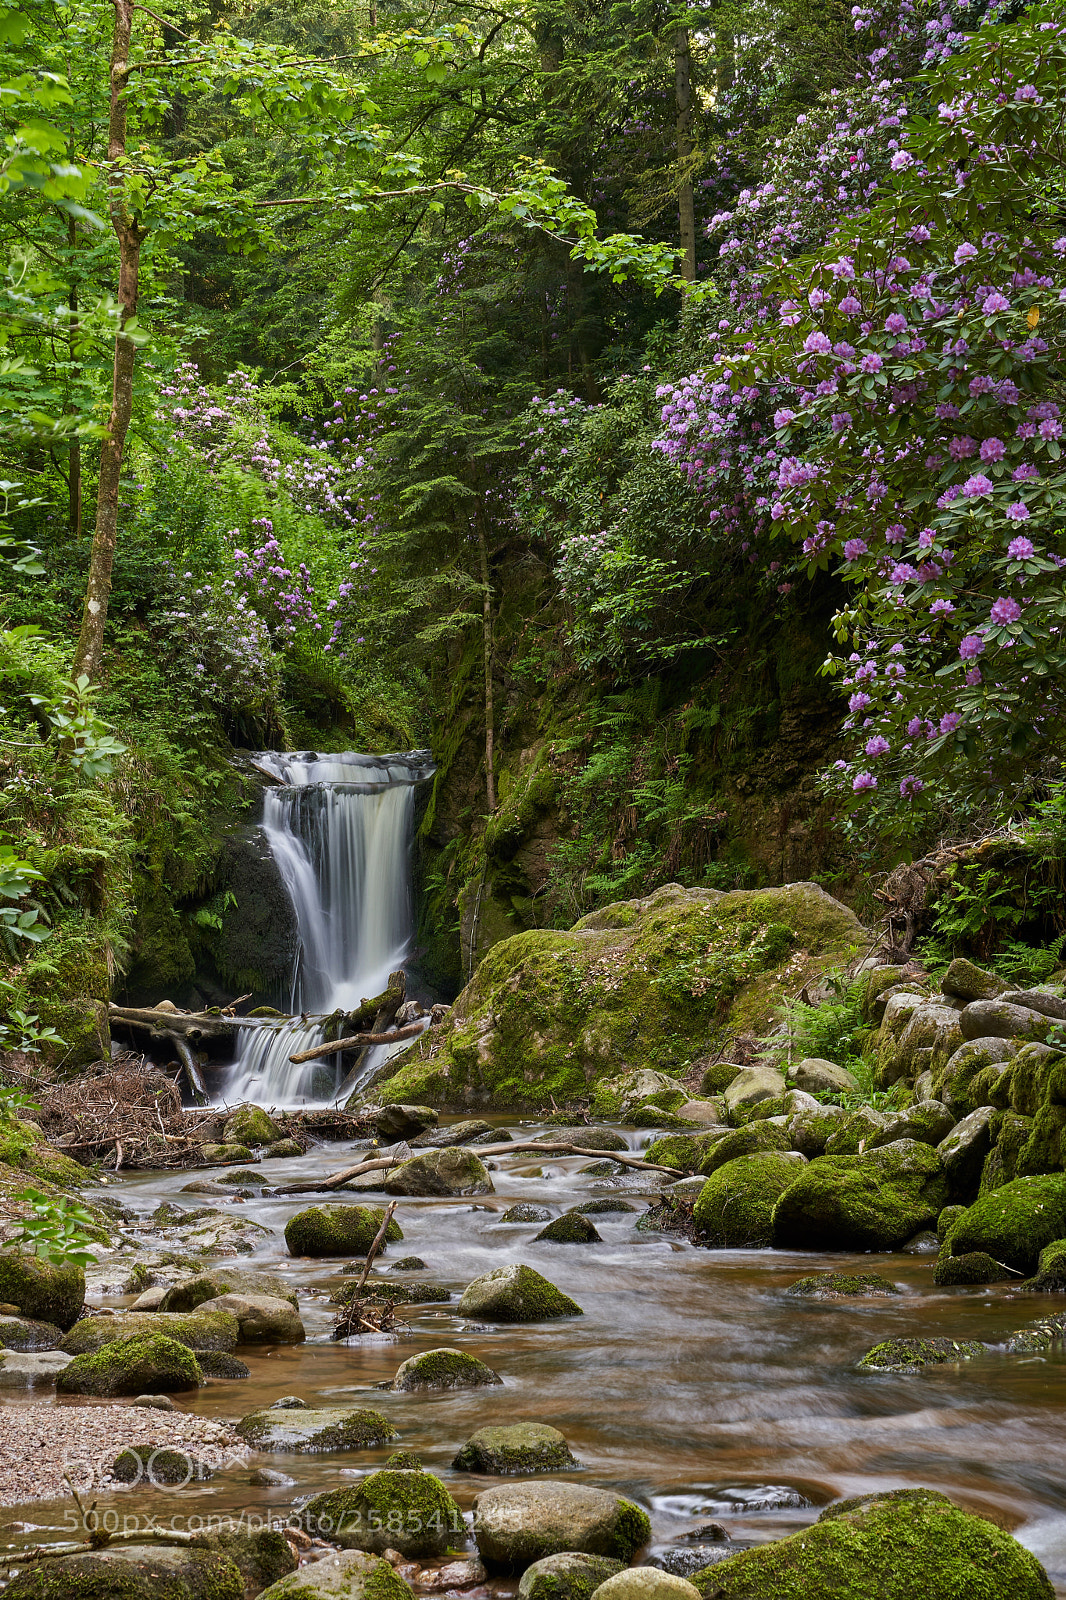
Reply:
x=340, y=829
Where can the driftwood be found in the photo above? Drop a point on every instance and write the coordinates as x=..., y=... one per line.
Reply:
x=194, y=1025
x=385, y=1006
x=183, y=1051
x=357, y=1041
x=337, y=1179
x=358, y=1316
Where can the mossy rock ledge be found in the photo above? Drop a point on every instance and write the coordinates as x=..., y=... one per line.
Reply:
x=337, y=1231
x=409, y=1510
x=515, y=1294
x=133, y=1572
x=520, y=1448
x=443, y=1369
x=347, y=1575
x=896, y=1546
x=551, y=1015
x=138, y=1363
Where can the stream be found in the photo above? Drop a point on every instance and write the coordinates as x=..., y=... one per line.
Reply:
x=691, y=1383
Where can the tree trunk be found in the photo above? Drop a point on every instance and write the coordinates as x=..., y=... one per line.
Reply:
x=74, y=456
x=486, y=626
x=683, y=101
x=130, y=236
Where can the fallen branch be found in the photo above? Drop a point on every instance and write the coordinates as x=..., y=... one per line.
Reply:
x=323, y=1185
x=357, y=1041
x=376, y=1246
x=337, y=1179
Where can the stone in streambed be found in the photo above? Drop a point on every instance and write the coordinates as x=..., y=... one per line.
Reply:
x=197, y=1330
x=876, y=1201
x=457, y=1133
x=895, y=1546
x=206, y=1186
x=928, y=1122
x=20, y=1333
x=193, y=1292
x=261, y=1318
x=249, y=1125
x=735, y=1207
x=570, y=1576
x=588, y=1138
x=132, y=1572
x=851, y=1136
x=26, y=1369
x=810, y=1127
x=570, y=1228
x=754, y=1139
x=148, y=1463
x=345, y=1575
x=137, y=1363
x=1050, y=1275
x=337, y=1231
x=409, y=1264
x=976, y=1267
x=283, y=1150
x=443, y=1369
x=842, y=1285
x=403, y=1122
x=647, y=1583
x=270, y=1478
x=242, y=1178
x=1013, y=1224
x=515, y=1293
x=517, y=1525
x=910, y=1355
x=604, y=1207
x=439, y=1172
x=751, y=1086
x=262, y=1555
x=312, y=1431
x=220, y=1364
x=520, y=1448
x=525, y=1212
x=43, y=1292
x=223, y=1155
x=410, y=1511
x=965, y=1149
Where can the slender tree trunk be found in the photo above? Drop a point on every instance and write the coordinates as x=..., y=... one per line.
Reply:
x=683, y=102
x=130, y=236
x=74, y=458
x=486, y=624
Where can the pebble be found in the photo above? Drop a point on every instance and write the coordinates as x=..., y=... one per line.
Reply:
x=157, y=1402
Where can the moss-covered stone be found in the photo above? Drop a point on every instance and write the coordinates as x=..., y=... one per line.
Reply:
x=842, y=1286
x=895, y=1546
x=345, y=1575
x=515, y=1293
x=976, y=1267
x=570, y=1228
x=137, y=1363
x=570, y=1576
x=736, y=1204
x=524, y=1211
x=927, y=1121
x=965, y=981
x=1014, y=1223
x=1011, y=1133
x=193, y=1292
x=132, y=1572
x=198, y=1330
x=682, y=1152
x=311, y=1431
x=403, y=1294
x=520, y=1448
x=518, y=1524
x=910, y=1355
x=262, y=1555
x=443, y=1369
x=20, y=1333
x=145, y=1463
x=249, y=1125
x=283, y=1150
x=42, y=1291
x=876, y=1201
x=754, y=1139
x=337, y=1230
x=1050, y=1275
x=439, y=1172
x=604, y=1139
x=718, y=1076
x=954, y=1083
x=407, y=1511
x=603, y=1207
x=547, y=1014
x=224, y=1155
x=854, y=1134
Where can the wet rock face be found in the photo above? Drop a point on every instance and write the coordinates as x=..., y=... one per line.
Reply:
x=1014, y=1223
x=518, y=1525
x=439, y=1172
x=572, y=1576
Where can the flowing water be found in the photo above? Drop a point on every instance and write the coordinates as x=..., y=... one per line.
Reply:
x=340, y=829
x=691, y=1383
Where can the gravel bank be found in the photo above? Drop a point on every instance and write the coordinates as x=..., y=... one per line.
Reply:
x=38, y=1443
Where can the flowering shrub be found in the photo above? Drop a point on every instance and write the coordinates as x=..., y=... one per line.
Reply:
x=233, y=662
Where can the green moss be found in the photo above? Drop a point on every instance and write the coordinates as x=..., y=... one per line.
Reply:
x=41, y=1290
x=520, y=1448
x=407, y=1511
x=348, y=1577
x=976, y=1267
x=404, y=1294
x=755, y=1138
x=570, y=1228
x=717, y=1077
x=842, y=1285
x=571, y=1576
x=736, y=1204
x=444, y=1369
x=991, y=1086
x=262, y=1557
x=337, y=1231
x=315, y=1431
x=136, y=1572
x=876, y=1201
x=1001, y=1163
x=515, y=1293
x=250, y=1125
x=1014, y=1223
x=1043, y=1334
x=909, y=1355
x=197, y=1330
x=597, y=1208
x=949, y=1215
x=138, y=1363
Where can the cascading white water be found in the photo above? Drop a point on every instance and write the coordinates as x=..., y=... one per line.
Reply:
x=340, y=829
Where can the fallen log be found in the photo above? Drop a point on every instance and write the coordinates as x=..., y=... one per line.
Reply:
x=387, y=1005
x=337, y=1179
x=381, y=1164
x=358, y=1041
x=183, y=1050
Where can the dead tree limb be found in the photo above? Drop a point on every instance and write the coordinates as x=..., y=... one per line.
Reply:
x=358, y=1041
x=337, y=1179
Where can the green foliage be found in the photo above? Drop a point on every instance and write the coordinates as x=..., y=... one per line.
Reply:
x=56, y=1231
x=834, y=1030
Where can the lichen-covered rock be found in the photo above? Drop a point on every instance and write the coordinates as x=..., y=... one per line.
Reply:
x=876, y=1201
x=755, y=1138
x=519, y=1448
x=23, y=1334
x=750, y=1087
x=895, y=1546
x=816, y=1076
x=198, y=1330
x=928, y=1122
x=261, y=1318
x=902, y=1055
x=132, y=1572
x=42, y=1291
x=249, y=1125
x=965, y=981
x=138, y=1363
x=518, y=1524
x=439, y=1172
x=443, y=1369
x=409, y=1511
x=345, y=1575
x=570, y=1576
x=515, y=1293
x=337, y=1230
x=1014, y=1223
x=910, y=1355
x=551, y=1014
x=190, y=1293
x=853, y=1135
x=842, y=1286
x=524, y=1211
x=955, y=1085
x=26, y=1369
x=810, y=1128
x=976, y=1267
x=703, y=1112
x=736, y=1204
x=224, y=1155
x=570, y=1228
x=313, y=1431
x=1000, y=1019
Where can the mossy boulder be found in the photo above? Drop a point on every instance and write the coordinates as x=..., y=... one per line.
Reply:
x=137, y=1363
x=132, y=1572
x=262, y=1555
x=604, y=1139
x=910, y=1355
x=337, y=1230
x=519, y=1448
x=1013, y=1224
x=842, y=1286
x=193, y=1292
x=976, y=1267
x=754, y=1139
x=249, y=1125
x=718, y=1076
x=23, y=1334
x=42, y=1291
x=965, y=981
x=443, y=1369
x=526, y=1212
x=550, y=1014
x=953, y=1084
x=571, y=1576
x=518, y=1524
x=260, y=1318
x=927, y=1121
x=224, y=1155
x=811, y=1127
x=409, y=1511
x=145, y=1463
x=314, y=1431
x=896, y=1546
x=344, y=1575
x=852, y=1136
x=1050, y=1275
x=681, y=1151
x=736, y=1204
x=515, y=1293
x=876, y=1201
x=283, y=1150
x=465, y=1132
x=608, y=1204
x=647, y=1583
x=570, y=1228
x=965, y=1150
x=439, y=1172
x=755, y=1086
x=196, y=1330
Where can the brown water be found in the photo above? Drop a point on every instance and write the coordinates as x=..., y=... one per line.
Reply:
x=691, y=1383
